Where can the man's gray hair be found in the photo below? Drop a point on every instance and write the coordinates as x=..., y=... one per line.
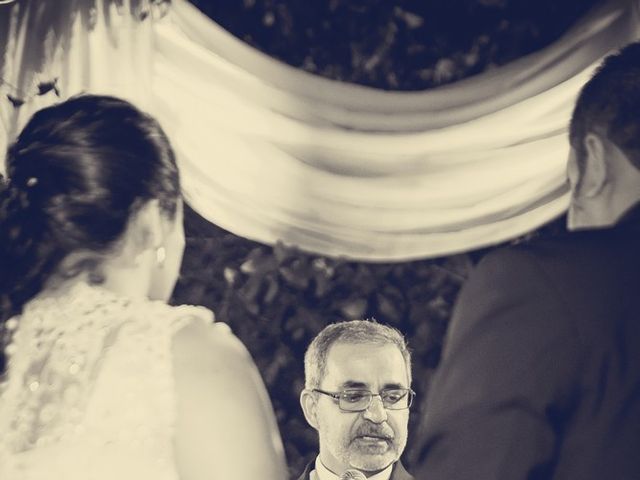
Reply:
x=353, y=331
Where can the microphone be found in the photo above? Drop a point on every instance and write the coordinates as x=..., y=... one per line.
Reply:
x=353, y=474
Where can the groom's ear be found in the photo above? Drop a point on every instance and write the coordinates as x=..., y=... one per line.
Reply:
x=595, y=171
x=308, y=402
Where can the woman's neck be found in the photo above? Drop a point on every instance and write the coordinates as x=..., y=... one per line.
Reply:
x=126, y=279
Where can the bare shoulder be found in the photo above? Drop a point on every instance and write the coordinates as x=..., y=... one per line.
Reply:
x=215, y=374
x=205, y=345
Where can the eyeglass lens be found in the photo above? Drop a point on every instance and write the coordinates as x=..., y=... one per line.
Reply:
x=396, y=399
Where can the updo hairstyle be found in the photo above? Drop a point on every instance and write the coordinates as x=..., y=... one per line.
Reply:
x=76, y=174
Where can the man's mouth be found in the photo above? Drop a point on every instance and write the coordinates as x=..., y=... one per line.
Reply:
x=374, y=439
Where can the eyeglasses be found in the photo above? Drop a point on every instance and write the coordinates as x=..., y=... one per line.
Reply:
x=355, y=400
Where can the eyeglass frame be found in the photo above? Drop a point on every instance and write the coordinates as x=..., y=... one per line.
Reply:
x=337, y=395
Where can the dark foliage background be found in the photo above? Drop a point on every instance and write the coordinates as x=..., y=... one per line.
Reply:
x=396, y=44
x=277, y=298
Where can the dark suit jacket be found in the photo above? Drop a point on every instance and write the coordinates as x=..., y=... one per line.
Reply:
x=398, y=472
x=540, y=375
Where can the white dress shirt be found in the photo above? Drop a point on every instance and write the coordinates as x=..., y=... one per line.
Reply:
x=323, y=473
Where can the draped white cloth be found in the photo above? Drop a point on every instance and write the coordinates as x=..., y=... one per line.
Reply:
x=273, y=153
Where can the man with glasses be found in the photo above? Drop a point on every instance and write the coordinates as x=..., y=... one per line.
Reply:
x=357, y=396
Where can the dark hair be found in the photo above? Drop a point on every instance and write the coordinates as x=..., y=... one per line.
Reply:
x=609, y=104
x=354, y=332
x=76, y=173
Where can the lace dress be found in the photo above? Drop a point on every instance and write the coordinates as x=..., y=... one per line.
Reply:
x=89, y=392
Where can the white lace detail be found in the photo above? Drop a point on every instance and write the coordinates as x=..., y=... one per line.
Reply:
x=89, y=388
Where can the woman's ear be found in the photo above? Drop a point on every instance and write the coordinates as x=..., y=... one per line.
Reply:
x=145, y=230
x=309, y=407
x=595, y=172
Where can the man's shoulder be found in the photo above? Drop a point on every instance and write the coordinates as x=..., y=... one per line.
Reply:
x=562, y=251
x=591, y=272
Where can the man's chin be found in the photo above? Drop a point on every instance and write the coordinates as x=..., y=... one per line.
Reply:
x=372, y=461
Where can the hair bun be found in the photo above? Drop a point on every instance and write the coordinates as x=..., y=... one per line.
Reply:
x=75, y=174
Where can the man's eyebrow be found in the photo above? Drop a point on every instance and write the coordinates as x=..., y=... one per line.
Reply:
x=356, y=384
x=353, y=384
x=392, y=386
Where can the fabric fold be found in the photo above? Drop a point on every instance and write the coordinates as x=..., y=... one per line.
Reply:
x=272, y=153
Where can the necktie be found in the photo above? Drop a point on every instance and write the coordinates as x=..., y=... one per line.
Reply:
x=353, y=474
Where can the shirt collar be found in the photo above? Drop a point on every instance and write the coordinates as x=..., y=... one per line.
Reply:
x=323, y=473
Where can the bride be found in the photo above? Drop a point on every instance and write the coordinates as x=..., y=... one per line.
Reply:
x=103, y=379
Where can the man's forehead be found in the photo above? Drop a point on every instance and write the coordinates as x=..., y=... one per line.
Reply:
x=354, y=365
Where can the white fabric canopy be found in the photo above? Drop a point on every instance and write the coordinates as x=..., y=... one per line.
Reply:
x=272, y=153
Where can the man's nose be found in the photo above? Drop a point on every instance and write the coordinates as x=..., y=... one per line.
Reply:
x=375, y=412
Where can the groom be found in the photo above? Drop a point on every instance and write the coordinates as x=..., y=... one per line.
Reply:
x=540, y=376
